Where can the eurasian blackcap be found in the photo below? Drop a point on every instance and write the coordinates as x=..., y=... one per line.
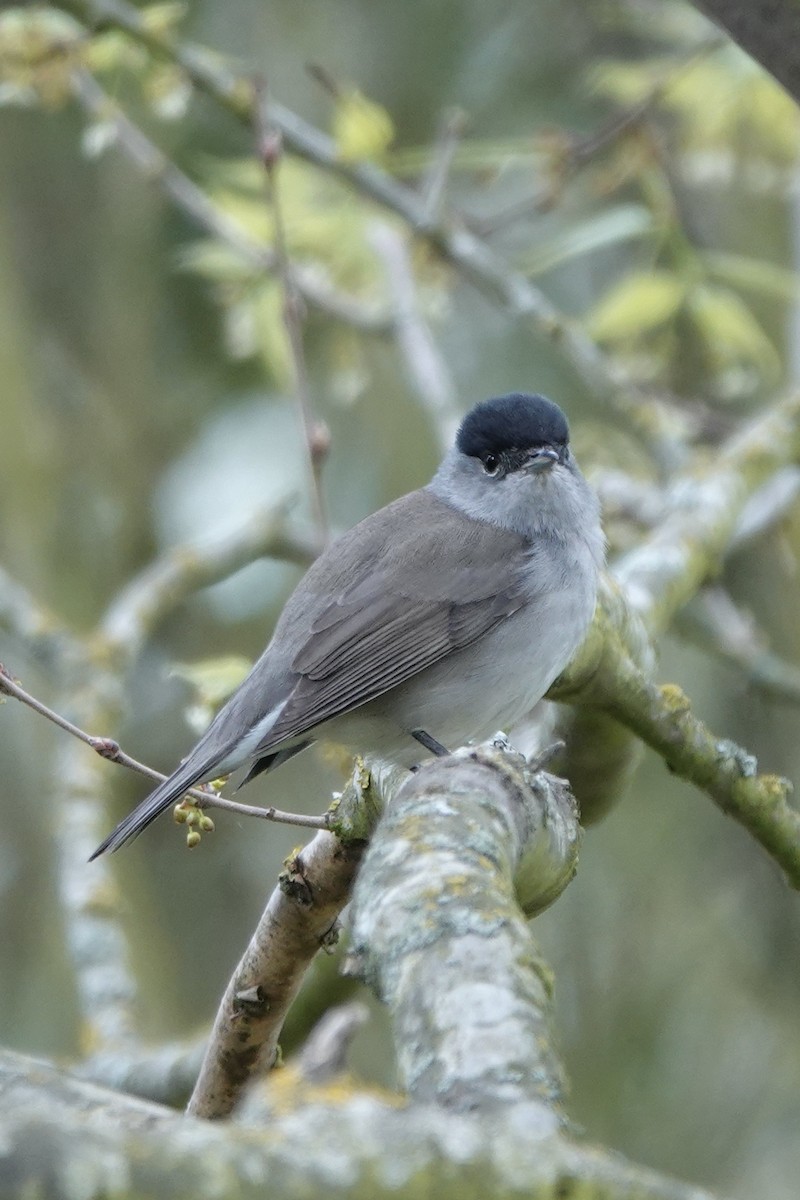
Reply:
x=441, y=618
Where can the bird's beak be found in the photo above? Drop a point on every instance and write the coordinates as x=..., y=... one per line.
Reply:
x=542, y=459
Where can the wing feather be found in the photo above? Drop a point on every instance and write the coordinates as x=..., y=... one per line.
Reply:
x=376, y=647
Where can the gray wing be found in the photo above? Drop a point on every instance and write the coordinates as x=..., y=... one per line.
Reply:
x=406, y=594
x=417, y=599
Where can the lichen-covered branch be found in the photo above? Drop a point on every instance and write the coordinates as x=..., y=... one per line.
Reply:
x=58, y=1133
x=438, y=930
x=638, y=603
x=606, y=679
x=439, y=934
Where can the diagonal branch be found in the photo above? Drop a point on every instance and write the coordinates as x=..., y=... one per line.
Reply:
x=194, y=202
x=472, y=257
x=110, y=750
x=661, y=717
x=169, y=580
x=300, y=918
x=651, y=583
x=316, y=437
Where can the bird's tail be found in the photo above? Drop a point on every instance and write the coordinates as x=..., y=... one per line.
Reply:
x=186, y=776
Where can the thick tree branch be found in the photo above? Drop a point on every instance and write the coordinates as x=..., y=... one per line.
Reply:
x=57, y=1130
x=769, y=30
x=482, y=1077
x=299, y=919
x=438, y=932
x=701, y=517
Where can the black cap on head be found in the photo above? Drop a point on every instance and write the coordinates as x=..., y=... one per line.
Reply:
x=513, y=422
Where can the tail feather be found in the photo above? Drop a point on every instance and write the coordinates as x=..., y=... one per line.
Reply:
x=187, y=775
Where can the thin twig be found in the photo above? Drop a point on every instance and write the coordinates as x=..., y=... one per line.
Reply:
x=194, y=202
x=476, y=261
x=424, y=365
x=111, y=750
x=574, y=153
x=713, y=621
x=449, y=134
x=316, y=435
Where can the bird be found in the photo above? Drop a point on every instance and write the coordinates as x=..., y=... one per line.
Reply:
x=435, y=621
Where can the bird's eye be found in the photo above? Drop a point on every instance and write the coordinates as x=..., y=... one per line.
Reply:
x=491, y=463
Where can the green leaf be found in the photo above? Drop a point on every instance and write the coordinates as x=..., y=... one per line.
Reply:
x=362, y=129
x=216, y=261
x=642, y=302
x=732, y=334
x=619, y=224
x=213, y=679
x=766, y=278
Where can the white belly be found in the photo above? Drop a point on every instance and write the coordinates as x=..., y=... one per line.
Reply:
x=475, y=691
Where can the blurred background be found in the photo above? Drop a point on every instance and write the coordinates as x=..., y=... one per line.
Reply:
x=145, y=402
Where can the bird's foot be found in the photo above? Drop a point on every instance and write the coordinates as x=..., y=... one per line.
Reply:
x=430, y=743
x=536, y=762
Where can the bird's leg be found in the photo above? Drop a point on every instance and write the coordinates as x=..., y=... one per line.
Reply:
x=430, y=743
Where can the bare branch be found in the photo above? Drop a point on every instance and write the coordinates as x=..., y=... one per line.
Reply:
x=424, y=365
x=194, y=202
x=316, y=437
x=167, y=582
x=111, y=750
x=299, y=919
x=473, y=258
